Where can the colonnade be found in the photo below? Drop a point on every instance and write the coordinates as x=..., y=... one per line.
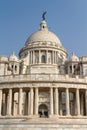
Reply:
x=34, y=60
x=61, y=102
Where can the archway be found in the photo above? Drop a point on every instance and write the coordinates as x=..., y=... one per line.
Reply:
x=43, y=111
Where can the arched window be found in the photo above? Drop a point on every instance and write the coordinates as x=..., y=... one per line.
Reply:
x=15, y=68
x=43, y=59
x=12, y=66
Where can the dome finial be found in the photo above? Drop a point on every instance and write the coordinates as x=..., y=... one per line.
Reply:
x=13, y=53
x=43, y=15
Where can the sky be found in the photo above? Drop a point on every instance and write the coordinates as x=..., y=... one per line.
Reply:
x=66, y=18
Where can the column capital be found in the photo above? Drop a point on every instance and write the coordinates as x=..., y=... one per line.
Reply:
x=36, y=87
x=77, y=88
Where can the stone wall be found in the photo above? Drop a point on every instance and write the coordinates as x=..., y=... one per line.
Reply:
x=43, y=127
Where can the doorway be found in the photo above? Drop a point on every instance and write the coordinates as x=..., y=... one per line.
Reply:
x=43, y=111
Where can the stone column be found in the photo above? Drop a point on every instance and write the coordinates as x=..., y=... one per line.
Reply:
x=0, y=101
x=68, y=69
x=72, y=69
x=39, y=56
x=47, y=56
x=36, y=101
x=57, y=57
x=86, y=101
x=51, y=101
x=53, y=57
x=67, y=102
x=81, y=69
x=31, y=100
x=56, y=96
x=78, y=101
x=20, y=101
x=33, y=57
x=9, y=103
x=30, y=57
x=12, y=103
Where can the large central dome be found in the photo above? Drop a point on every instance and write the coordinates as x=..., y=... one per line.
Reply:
x=41, y=40
x=43, y=35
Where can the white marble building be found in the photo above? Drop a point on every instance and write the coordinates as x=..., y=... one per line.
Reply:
x=43, y=89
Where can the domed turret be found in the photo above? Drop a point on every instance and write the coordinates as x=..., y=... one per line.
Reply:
x=74, y=57
x=13, y=57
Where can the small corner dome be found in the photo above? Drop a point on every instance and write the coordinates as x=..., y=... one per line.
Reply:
x=74, y=57
x=43, y=35
x=3, y=59
x=13, y=57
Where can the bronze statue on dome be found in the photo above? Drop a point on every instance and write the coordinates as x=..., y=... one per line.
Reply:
x=43, y=15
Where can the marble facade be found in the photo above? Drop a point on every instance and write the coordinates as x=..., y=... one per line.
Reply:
x=43, y=89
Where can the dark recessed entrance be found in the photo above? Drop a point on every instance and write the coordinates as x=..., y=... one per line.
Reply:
x=43, y=111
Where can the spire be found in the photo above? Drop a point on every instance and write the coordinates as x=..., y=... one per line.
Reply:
x=13, y=53
x=73, y=54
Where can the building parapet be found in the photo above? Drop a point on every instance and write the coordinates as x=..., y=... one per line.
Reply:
x=43, y=77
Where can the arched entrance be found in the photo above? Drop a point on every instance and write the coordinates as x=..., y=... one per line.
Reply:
x=43, y=111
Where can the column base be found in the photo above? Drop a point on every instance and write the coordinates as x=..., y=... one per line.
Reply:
x=33, y=116
x=8, y=115
x=53, y=116
x=68, y=115
x=79, y=115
